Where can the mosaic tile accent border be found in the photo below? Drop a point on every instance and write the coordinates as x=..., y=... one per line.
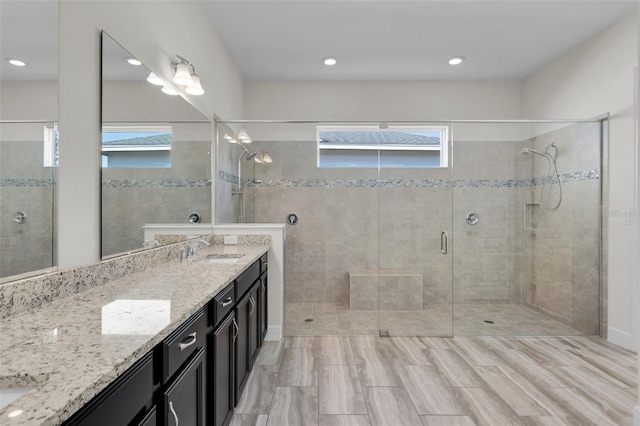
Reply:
x=227, y=177
x=163, y=183
x=46, y=183
x=424, y=183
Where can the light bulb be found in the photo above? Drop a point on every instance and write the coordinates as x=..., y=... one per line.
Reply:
x=195, y=88
x=183, y=75
x=154, y=79
x=168, y=90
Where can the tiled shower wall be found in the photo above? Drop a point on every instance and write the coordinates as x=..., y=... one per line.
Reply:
x=561, y=257
x=351, y=219
x=27, y=186
x=133, y=197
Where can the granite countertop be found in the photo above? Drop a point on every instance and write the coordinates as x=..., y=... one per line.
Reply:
x=71, y=348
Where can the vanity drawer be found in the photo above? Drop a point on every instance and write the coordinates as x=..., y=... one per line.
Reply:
x=222, y=304
x=183, y=342
x=247, y=278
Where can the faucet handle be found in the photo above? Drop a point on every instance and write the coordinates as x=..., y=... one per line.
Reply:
x=182, y=253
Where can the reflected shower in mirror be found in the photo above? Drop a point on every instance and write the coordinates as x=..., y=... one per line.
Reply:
x=156, y=155
x=28, y=137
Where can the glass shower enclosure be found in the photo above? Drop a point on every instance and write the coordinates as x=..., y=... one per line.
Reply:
x=426, y=228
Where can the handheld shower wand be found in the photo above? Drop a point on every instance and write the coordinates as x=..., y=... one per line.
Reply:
x=552, y=172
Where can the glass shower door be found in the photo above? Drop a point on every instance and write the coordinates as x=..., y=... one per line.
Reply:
x=527, y=252
x=415, y=268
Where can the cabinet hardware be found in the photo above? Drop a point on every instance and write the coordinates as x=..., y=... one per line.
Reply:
x=236, y=330
x=188, y=341
x=172, y=411
x=226, y=302
x=253, y=305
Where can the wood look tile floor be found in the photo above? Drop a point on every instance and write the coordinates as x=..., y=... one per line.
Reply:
x=324, y=319
x=394, y=381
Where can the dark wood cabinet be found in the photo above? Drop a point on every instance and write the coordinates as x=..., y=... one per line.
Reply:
x=262, y=309
x=125, y=401
x=184, y=396
x=254, y=324
x=242, y=365
x=195, y=376
x=221, y=354
x=151, y=419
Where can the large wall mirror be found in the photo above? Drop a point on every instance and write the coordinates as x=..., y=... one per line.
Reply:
x=156, y=155
x=28, y=136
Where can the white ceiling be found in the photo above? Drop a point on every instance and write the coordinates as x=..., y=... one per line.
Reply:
x=405, y=40
x=382, y=39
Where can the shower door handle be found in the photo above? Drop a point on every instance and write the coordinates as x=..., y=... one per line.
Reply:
x=444, y=242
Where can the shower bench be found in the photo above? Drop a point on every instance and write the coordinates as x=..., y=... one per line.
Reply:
x=385, y=289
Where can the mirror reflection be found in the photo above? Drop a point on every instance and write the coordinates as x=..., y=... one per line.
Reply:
x=156, y=155
x=28, y=136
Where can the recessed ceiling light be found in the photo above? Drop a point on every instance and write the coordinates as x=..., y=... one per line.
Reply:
x=330, y=61
x=16, y=62
x=456, y=60
x=133, y=61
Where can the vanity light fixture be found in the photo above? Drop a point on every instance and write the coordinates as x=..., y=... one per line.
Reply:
x=154, y=79
x=185, y=75
x=456, y=60
x=229, y=138
x=329, y=61
x=133, y=61
x=168, y=90
x=16, y=62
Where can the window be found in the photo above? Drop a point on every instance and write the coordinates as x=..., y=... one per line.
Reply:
x=50, y=152
x=136, y=146
x=369, y=146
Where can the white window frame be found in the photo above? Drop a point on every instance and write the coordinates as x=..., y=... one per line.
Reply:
x=443, y=148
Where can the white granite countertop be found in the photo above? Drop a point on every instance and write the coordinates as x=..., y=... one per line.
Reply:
x=70, y=349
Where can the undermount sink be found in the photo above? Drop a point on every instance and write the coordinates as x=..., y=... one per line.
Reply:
x=13, y=387
x=8, y=395
x=222, y=258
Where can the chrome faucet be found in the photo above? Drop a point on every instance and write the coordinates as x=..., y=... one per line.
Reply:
x=193, y=247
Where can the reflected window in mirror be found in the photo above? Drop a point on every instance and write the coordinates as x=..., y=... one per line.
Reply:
x=136, y=146
x=156, y=155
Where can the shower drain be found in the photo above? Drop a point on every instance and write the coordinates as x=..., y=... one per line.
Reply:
x=489, y=322
x=308, y=320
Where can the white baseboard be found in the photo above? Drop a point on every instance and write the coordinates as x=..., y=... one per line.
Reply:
x=636, y=415
x=274, y=334
x=620, y=338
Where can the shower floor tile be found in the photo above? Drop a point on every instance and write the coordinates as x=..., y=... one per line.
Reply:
x=323, y=319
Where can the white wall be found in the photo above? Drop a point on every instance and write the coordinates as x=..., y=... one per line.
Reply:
x=595, y=78
x=154, y=32
x=382, y=100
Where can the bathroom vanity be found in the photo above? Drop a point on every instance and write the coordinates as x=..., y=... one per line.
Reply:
x=171, y=345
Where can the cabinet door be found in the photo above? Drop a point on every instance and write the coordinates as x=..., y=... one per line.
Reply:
x=262, y=308
x=122, y=401
x=221, y=363
x=242, y=347
x=254, y=324
x=184, y=398
x=151, y=419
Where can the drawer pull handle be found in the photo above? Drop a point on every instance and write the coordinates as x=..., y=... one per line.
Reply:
x=188, y=341
x=226, y=302
x=172, y=411
x=252, y=308
x=236, y=330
